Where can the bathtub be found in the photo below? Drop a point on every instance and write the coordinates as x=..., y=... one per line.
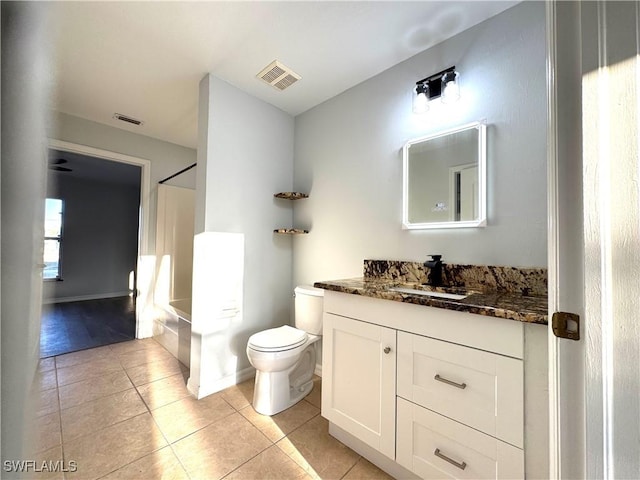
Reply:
x=172, y=328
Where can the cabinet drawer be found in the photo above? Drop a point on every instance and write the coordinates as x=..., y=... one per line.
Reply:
x=435, y=447
x=480, y=389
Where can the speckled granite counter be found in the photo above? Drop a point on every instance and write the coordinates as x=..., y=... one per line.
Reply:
x=516, y=305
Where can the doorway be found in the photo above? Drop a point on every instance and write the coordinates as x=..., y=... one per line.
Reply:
x=92, y=294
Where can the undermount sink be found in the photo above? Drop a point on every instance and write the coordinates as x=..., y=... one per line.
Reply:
x=428, y=293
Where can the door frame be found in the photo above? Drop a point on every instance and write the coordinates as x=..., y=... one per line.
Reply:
x=144, y=271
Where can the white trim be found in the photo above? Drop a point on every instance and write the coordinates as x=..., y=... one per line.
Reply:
x=144, y=295
x=552, y=242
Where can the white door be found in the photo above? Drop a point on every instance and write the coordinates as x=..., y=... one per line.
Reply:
x=594, y=254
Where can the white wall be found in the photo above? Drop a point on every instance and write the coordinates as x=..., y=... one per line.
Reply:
x=245, y=155
x=348, y=155
x=100, y=237
x=25, y=76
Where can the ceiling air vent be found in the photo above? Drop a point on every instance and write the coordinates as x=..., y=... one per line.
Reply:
x=278, y=75
x=125, y=118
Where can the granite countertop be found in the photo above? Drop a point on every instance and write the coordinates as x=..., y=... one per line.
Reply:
x=508, y=305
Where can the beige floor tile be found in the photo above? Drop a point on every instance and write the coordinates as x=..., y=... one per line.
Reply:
x=48, y=465
x=162, y=392
x=83, y=356
x=133, y=345
x=93, y=388
x=89, y=417
x=272, y=464
x=45, y=380
x=314, y=398
x=151, y=372
x=220, y=448
x=160, y=465
x=144, y=356
x=45, y=402
x=45, y=433
x=321, y=455
x=241, y=395
x=277, y=426
x=83, y=371
x=114, y=447
x=46, y=364
x=365, y=470
x=187, y=415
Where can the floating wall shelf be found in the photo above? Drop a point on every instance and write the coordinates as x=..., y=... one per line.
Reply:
x=291, y=196
x=291, y=231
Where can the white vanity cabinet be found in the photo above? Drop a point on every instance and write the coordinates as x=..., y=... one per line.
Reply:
x=439, y=392
x=360, y=394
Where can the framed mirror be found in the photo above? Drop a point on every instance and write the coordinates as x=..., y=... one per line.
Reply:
x=444, y=177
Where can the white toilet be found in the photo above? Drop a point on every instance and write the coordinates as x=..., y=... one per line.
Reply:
x=285, y=357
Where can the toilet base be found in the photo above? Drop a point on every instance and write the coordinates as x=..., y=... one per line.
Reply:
x=277, y=391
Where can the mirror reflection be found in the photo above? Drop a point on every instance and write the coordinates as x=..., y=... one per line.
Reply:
x=444, y=179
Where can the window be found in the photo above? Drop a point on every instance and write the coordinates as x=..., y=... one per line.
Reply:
x=52, y=238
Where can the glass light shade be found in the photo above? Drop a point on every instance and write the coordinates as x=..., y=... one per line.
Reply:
x=450, y=87
x=420, y=100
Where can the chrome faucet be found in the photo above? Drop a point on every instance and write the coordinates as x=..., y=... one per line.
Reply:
x=434, y=277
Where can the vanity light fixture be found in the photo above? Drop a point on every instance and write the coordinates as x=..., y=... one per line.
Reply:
x=444, y=84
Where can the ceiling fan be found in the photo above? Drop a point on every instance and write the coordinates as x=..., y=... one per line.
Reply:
x=57, y=165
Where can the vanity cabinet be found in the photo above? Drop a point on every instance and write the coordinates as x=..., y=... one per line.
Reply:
x=358, y=395
x=439, y=392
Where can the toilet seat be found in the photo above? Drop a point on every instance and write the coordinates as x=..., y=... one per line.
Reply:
x=277, y=339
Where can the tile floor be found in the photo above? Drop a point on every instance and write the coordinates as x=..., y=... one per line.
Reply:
x=123, y=412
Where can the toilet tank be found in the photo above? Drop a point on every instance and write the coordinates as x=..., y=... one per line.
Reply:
x=308, y=309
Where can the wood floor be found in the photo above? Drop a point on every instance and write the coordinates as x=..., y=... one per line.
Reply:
x=72, y=326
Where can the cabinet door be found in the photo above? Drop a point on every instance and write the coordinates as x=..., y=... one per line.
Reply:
x=480, y=389
x=435, y=447
x=359, y=380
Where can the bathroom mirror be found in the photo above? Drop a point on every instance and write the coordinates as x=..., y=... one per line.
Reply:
x=444, y=179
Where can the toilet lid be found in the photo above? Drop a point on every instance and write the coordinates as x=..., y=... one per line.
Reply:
x=274, y=339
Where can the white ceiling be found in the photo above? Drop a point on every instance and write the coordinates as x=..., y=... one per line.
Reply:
x=146, y=59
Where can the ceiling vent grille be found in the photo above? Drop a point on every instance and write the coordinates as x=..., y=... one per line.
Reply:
x=125, y=118
x=278, y=75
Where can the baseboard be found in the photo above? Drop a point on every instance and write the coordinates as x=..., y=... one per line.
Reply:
x=203, y=390
x=318, y=370
x=81, y=298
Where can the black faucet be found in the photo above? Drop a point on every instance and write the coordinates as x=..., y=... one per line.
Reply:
x=434, y=277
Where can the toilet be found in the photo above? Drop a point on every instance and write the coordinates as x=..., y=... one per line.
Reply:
x=285, y=357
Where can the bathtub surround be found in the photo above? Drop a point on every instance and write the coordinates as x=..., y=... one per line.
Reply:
x=216, y=312
x=348, y=155
x=245, y=155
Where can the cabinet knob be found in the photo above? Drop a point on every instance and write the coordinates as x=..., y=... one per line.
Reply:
x=387, y=349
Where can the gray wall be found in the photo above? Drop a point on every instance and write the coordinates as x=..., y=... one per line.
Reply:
x=348, y=155
x=166, y=158
x=245, y=156
x=25, y=75
x=100, y=237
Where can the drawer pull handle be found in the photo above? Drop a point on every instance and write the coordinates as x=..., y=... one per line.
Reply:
x=461, y=386
x=461, y=466
x=387, y=349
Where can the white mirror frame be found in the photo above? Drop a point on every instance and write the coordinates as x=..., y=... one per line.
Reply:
x=481, y=221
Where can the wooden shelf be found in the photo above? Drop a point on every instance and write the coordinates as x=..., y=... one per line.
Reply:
x=291, y=195
x=291, y=231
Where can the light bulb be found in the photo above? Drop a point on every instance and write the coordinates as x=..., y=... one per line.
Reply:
x=450, y=87
x=420, y=100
